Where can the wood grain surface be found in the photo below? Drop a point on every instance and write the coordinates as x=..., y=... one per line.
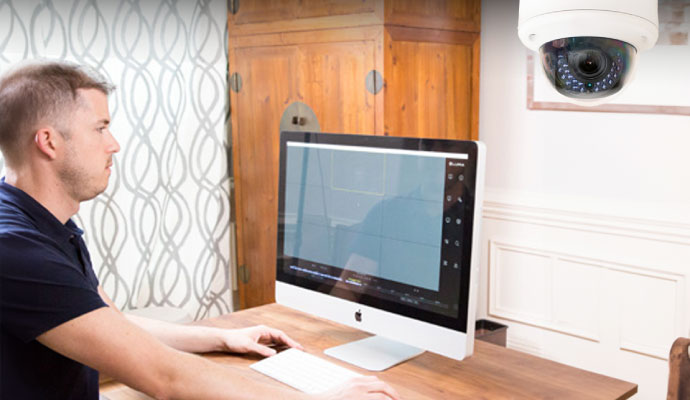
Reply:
x=492, y=372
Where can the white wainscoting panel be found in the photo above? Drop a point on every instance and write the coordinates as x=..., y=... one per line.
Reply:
x=577, y=280
x=600, y=292
x=650, y=313
x=521, y=279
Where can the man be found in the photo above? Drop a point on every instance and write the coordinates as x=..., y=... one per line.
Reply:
x=57, y=325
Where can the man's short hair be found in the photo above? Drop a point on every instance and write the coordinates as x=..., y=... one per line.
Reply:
x=40, y=93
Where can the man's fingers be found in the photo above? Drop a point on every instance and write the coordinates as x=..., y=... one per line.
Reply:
x=261, y=349
x=283, y=338
x=383, y=387
x=375, y=386
x=278, y=336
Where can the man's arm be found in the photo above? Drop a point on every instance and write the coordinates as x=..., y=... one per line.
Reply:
x=202, y=339
x=105, y=340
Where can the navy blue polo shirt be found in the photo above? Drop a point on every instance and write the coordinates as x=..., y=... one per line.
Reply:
x=46, y=279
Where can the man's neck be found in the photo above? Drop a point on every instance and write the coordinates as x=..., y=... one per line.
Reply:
x=45, y=190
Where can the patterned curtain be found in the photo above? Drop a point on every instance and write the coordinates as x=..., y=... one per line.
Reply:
x=160, y=234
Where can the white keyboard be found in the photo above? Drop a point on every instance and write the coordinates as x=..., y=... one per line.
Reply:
x=303, y=371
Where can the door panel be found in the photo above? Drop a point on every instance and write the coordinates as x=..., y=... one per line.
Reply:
x=268, y=87
x=328, y=77
x=332, y=82
x=430, y=93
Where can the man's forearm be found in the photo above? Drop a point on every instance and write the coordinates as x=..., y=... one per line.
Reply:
x=193, y=377
x=104, y=340
x=189, y=338
x=193, y=339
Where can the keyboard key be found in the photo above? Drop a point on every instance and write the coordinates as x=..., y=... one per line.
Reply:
x=303, y=371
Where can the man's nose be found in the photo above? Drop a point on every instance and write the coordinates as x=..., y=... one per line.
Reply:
x=114, y=145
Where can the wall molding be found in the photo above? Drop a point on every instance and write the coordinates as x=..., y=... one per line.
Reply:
x=660, y=227
x=583, y=216
x=550, y=322
x=495, y=310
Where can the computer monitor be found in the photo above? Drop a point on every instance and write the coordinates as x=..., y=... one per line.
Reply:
x=382, y=234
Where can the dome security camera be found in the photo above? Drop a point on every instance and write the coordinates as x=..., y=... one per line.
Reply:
x=588, y=47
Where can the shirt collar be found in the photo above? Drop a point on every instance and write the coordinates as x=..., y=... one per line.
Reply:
x=43, y=219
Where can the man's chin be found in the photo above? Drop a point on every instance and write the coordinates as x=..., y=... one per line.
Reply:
x=93, y=195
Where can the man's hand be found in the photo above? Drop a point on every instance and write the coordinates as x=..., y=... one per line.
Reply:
x=255, y=340
x=365, y=388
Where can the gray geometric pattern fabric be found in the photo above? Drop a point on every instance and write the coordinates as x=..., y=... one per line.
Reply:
x=160, y=234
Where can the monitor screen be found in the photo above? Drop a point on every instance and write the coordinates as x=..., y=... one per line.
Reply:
x=385, y=222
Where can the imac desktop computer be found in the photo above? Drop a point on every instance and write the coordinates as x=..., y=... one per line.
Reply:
x=382, y=234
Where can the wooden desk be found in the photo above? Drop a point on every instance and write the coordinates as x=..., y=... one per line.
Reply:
x=492, y=372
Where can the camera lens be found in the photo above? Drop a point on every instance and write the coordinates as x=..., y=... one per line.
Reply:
x=589, y=64
x=587, y=67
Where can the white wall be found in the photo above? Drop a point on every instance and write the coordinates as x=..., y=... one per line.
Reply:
x=621, y=158
x=586, y=243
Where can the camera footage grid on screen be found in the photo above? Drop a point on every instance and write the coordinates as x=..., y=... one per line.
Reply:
x=378, y=232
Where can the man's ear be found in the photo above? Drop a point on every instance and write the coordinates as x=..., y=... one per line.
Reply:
x=47, y=141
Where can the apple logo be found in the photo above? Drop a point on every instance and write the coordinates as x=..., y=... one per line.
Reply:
x=358, y=315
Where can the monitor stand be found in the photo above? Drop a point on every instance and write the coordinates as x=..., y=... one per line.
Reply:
x=374, y=353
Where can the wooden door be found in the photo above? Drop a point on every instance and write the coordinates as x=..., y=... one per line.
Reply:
x=268, y=85
x=432, y=83
x=332, y=81
x=329, y=76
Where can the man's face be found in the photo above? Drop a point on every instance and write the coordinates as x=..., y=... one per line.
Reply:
x=85, y=166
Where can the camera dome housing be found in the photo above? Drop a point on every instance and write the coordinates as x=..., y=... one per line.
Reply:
x=587, y=68
x=588, y=48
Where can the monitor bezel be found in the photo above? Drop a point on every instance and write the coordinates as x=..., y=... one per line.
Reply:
x=458, y=323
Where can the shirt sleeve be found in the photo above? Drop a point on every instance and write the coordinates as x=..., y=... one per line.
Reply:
x=40, y=287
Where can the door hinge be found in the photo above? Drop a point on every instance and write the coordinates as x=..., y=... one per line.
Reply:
x=235, y=82
x=243, y=273
x=233, y=6
x=373, y=81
